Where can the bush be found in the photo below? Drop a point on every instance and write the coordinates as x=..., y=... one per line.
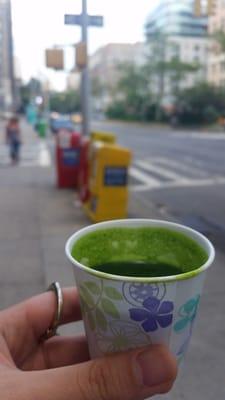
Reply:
x=202, y=104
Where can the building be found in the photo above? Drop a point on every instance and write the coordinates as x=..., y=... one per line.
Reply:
x=73, y=81
x=176, y=18
x=6, y=57
x=216, y=61
x=186, y=38
x=104, y=62
x=104, y=68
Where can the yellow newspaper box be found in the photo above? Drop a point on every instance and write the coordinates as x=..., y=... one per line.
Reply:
x=108, y=182
x=104, y=137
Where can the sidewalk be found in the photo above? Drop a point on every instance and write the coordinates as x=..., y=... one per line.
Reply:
x=36, y=220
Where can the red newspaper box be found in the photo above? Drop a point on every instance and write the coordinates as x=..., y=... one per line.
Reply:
x=84, y=171
x=68, y=149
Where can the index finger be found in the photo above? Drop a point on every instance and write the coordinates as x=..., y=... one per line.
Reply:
x=28, y=321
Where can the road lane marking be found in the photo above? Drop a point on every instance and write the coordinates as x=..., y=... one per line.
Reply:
x=143, y=177
x=164, y=172
x=147, y=182
x=180, y=184
x=198, y=135
x=183, y=166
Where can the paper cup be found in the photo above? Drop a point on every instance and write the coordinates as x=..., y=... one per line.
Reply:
x=122, y=313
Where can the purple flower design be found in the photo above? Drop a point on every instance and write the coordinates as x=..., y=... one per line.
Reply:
x=154, y=314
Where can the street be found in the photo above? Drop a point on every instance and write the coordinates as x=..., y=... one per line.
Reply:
x=181, y=176
x=182, y=173
x=167, y=182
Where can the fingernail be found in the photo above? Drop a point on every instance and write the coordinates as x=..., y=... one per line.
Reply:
x=154, y=367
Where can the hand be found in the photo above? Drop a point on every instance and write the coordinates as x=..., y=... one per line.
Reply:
x=59, y=369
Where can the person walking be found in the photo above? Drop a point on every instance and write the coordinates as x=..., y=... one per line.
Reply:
x=13, y=139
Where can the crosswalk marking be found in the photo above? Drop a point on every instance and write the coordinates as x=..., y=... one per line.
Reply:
x=159, y=170
x=144, y=172
x=184, y=166
x=143, y=177
x=199, y=135
x=32, y=155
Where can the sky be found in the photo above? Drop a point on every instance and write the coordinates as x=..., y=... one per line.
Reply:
x=39, y=24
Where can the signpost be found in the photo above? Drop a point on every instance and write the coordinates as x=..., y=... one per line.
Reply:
x=84, y=21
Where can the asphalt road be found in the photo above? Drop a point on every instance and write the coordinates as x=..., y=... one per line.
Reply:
x=182, y=175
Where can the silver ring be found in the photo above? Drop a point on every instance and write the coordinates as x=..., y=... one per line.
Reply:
x=52, y=330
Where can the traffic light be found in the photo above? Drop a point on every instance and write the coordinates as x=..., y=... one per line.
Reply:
x=55, y=59
x=198, y=8
x=81, y=55
x=211, y=7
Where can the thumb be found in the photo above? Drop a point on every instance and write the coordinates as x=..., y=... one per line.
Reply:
x=132, y=375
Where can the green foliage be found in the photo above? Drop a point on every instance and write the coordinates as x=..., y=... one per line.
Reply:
x=141, y=89
x=219, y=37
x=133, y=98
x=65, y=102
x=202, y=104
x=97, y=88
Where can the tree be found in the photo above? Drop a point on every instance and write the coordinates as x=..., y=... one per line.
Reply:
x=97, y=88
x=29, y=91
x=204, y=103
x=219, y=37
x=65, y=102
x=132, y=96
x=166, y=69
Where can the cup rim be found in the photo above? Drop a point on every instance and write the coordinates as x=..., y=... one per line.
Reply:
x=123, y=223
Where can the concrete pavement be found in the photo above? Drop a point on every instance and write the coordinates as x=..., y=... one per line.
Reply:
x=36, y=219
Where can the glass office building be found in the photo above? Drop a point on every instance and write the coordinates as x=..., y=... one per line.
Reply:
x=176, y=17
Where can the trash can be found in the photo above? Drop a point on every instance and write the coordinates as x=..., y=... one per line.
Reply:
x=68, y=147
x=42, y=128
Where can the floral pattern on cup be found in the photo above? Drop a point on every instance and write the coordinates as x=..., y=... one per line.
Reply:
x=99, y=302
x=136, y=293
x=154, y=314
x=122, y=335
x=187, y=314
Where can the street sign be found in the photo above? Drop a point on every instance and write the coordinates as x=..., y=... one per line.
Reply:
x=73, y=19
x=93, y=20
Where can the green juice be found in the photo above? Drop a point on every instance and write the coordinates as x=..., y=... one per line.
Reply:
x=139, y=252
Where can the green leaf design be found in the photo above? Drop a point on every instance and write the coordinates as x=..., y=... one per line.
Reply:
x=180, y=325
x=83, y=305
x=87, y=299
x=93, y=288
x=113, y=293
x=109, y=308
x=190, y=306
x=101, y=320
x=91, y=321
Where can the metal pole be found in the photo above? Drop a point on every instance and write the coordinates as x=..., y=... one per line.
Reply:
x=11, y=60
x=85, y=86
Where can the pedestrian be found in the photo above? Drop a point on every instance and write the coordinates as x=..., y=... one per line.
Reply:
x=13, y=139
x=35, y=364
